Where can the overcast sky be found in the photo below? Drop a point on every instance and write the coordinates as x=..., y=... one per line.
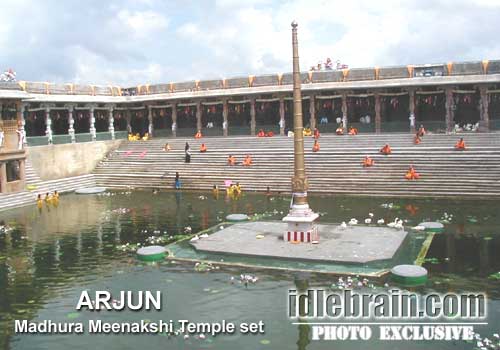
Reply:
x=125, y=42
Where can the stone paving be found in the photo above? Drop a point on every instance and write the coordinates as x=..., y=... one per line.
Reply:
x=354, y=244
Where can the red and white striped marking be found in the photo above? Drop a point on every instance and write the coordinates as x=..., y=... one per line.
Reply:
x=301, y=236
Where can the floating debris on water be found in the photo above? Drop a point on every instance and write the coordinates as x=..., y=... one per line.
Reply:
x=203, y=267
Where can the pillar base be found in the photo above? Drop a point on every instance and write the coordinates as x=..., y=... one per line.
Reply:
x=301, y=225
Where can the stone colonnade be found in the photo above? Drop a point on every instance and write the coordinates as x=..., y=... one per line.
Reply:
x=449, y=106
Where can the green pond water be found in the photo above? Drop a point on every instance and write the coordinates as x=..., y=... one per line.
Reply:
x=52, y=254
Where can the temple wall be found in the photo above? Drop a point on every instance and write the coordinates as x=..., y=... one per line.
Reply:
x=73, y=159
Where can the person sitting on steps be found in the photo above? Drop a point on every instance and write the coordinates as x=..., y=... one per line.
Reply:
x=411, y=174
x=203, y=148
x=315, y=146
x=247, y=161
x=421, y=131
x=198, y=135
x=367, y=162
x=353, y=131
x=460, y=145
x=231, y=160
x=386, y=150
x=417, y=140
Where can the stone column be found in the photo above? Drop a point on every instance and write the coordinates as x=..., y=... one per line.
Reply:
x=92, y=123
x=253, y=123
x=71, y=122
x=111, y=122
x=22, y=170
x=48, y=124
x=225, y=111
x=449, y=105
x=21, y=107
x=150, y=121
x=3, y=178
x=174, y=119
x=312, y=112
x=484, y=117
x=411, y=104
x=282, y=116
x=128, y=117
x=344, y=111
x=378, y=115
x=198, y=116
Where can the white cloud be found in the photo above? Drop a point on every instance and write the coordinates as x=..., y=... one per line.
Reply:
x=143, y=24
x=131, y=42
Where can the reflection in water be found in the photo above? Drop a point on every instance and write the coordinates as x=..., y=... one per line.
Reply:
x=301, y=281
x=52, y=254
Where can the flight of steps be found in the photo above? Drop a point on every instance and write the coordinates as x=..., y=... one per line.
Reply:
x=69, y=184
x=445, y=172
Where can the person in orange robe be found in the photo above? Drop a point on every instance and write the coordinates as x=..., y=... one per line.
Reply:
x=421, y=131
x=460, y=145
x=203, y=148
x=417, y=140
x=198, y=135
x=261, y=133
x=353, y=131
x=386, y=150
x=231, y=160
x=411, y=174
x=247, y=161
x=316, y=146
x=367, y=162
x=270, y=134
x=316, y=133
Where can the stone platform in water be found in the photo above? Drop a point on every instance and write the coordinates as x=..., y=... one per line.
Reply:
x=354, y=244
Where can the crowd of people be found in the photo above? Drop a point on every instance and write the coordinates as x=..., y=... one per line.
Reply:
x=328, y=65
x=49, y=199
x=9, y=75
x=235, y=189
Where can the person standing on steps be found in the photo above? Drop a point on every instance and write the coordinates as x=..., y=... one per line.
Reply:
x=187, y=153
x=177, y=181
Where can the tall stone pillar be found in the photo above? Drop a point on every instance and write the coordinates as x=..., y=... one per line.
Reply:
x=111, y=122
x=253, y=123
x=411, y=105
x=378, y=114
x=3, y=178
x=92, y=123
x=282, y=116
x=71, y=123
x=344, y=111
x=312, y=112
x=198, y=116
x=174, y=119
x=21, y=108
x=22, y=170
x=484, y=117
x=225, y=111
x=128, y=117
x=48, y=124
x=449, y=105
x=150, y=121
